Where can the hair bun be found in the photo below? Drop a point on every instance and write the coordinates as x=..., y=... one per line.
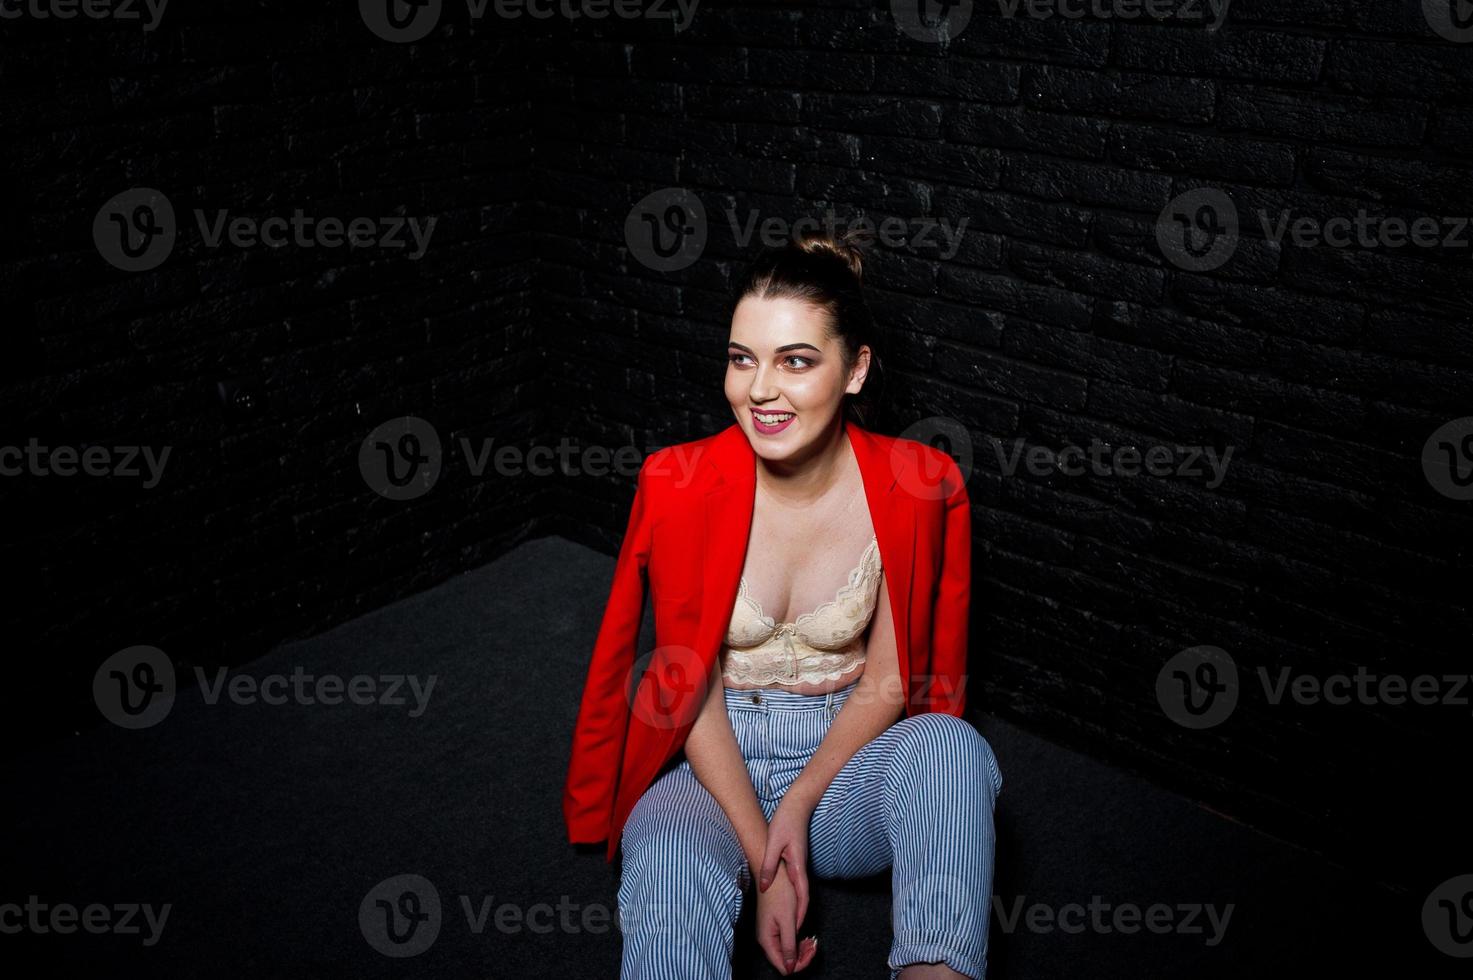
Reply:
x=847, y=246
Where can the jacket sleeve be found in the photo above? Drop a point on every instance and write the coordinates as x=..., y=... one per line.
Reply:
x=949, y=616
x=603, y=713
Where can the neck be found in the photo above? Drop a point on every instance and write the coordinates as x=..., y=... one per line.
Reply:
x=800, y=481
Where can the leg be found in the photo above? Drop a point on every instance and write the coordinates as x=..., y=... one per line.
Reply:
x=919, y=798
x=681, y=881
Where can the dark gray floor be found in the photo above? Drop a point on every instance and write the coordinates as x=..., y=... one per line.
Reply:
x=264, y=828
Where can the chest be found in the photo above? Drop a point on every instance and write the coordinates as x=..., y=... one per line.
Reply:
x=794, y=566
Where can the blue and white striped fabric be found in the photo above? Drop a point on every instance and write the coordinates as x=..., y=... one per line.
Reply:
x=918, y=799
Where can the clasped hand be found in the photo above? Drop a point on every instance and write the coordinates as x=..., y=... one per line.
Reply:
x=782, y=889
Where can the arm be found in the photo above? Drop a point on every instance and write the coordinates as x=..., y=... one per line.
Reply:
x=875, y=704
x=945, y=690
x=716, y=759
x=603, y=714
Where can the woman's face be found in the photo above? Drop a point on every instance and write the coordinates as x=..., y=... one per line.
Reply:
x=785, y=377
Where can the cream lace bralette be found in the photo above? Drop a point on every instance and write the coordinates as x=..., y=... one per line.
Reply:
x=821, y=645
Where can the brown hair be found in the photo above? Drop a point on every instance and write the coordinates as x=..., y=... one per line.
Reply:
x=827, y=271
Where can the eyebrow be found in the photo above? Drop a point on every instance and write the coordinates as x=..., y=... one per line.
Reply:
x=785, y=347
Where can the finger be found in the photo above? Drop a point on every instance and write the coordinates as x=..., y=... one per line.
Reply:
x=807, y=950
x=788, y=942
x=801, y=889
x=798, y=875
x=767, y=938
x=769, y=866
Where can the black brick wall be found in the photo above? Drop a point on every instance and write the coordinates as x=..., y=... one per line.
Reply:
x=260, y=369
x=1059, y=320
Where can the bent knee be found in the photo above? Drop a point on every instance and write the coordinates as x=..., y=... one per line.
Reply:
x=659, y=842
x=950, y=742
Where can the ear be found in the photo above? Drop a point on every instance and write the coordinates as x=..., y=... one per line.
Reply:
x=859, y=371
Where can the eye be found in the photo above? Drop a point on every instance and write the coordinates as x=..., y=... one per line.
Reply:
x=732, y=357
x=795, y=357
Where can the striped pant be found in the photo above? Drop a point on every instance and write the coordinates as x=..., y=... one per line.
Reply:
x=918, y=799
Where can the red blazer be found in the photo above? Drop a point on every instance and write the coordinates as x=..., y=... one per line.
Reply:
x=687, y=540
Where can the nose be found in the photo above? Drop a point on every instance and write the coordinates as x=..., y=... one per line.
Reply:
x=763, y=390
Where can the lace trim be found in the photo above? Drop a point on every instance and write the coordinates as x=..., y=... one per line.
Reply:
x=737, y=669
x=761, y=668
